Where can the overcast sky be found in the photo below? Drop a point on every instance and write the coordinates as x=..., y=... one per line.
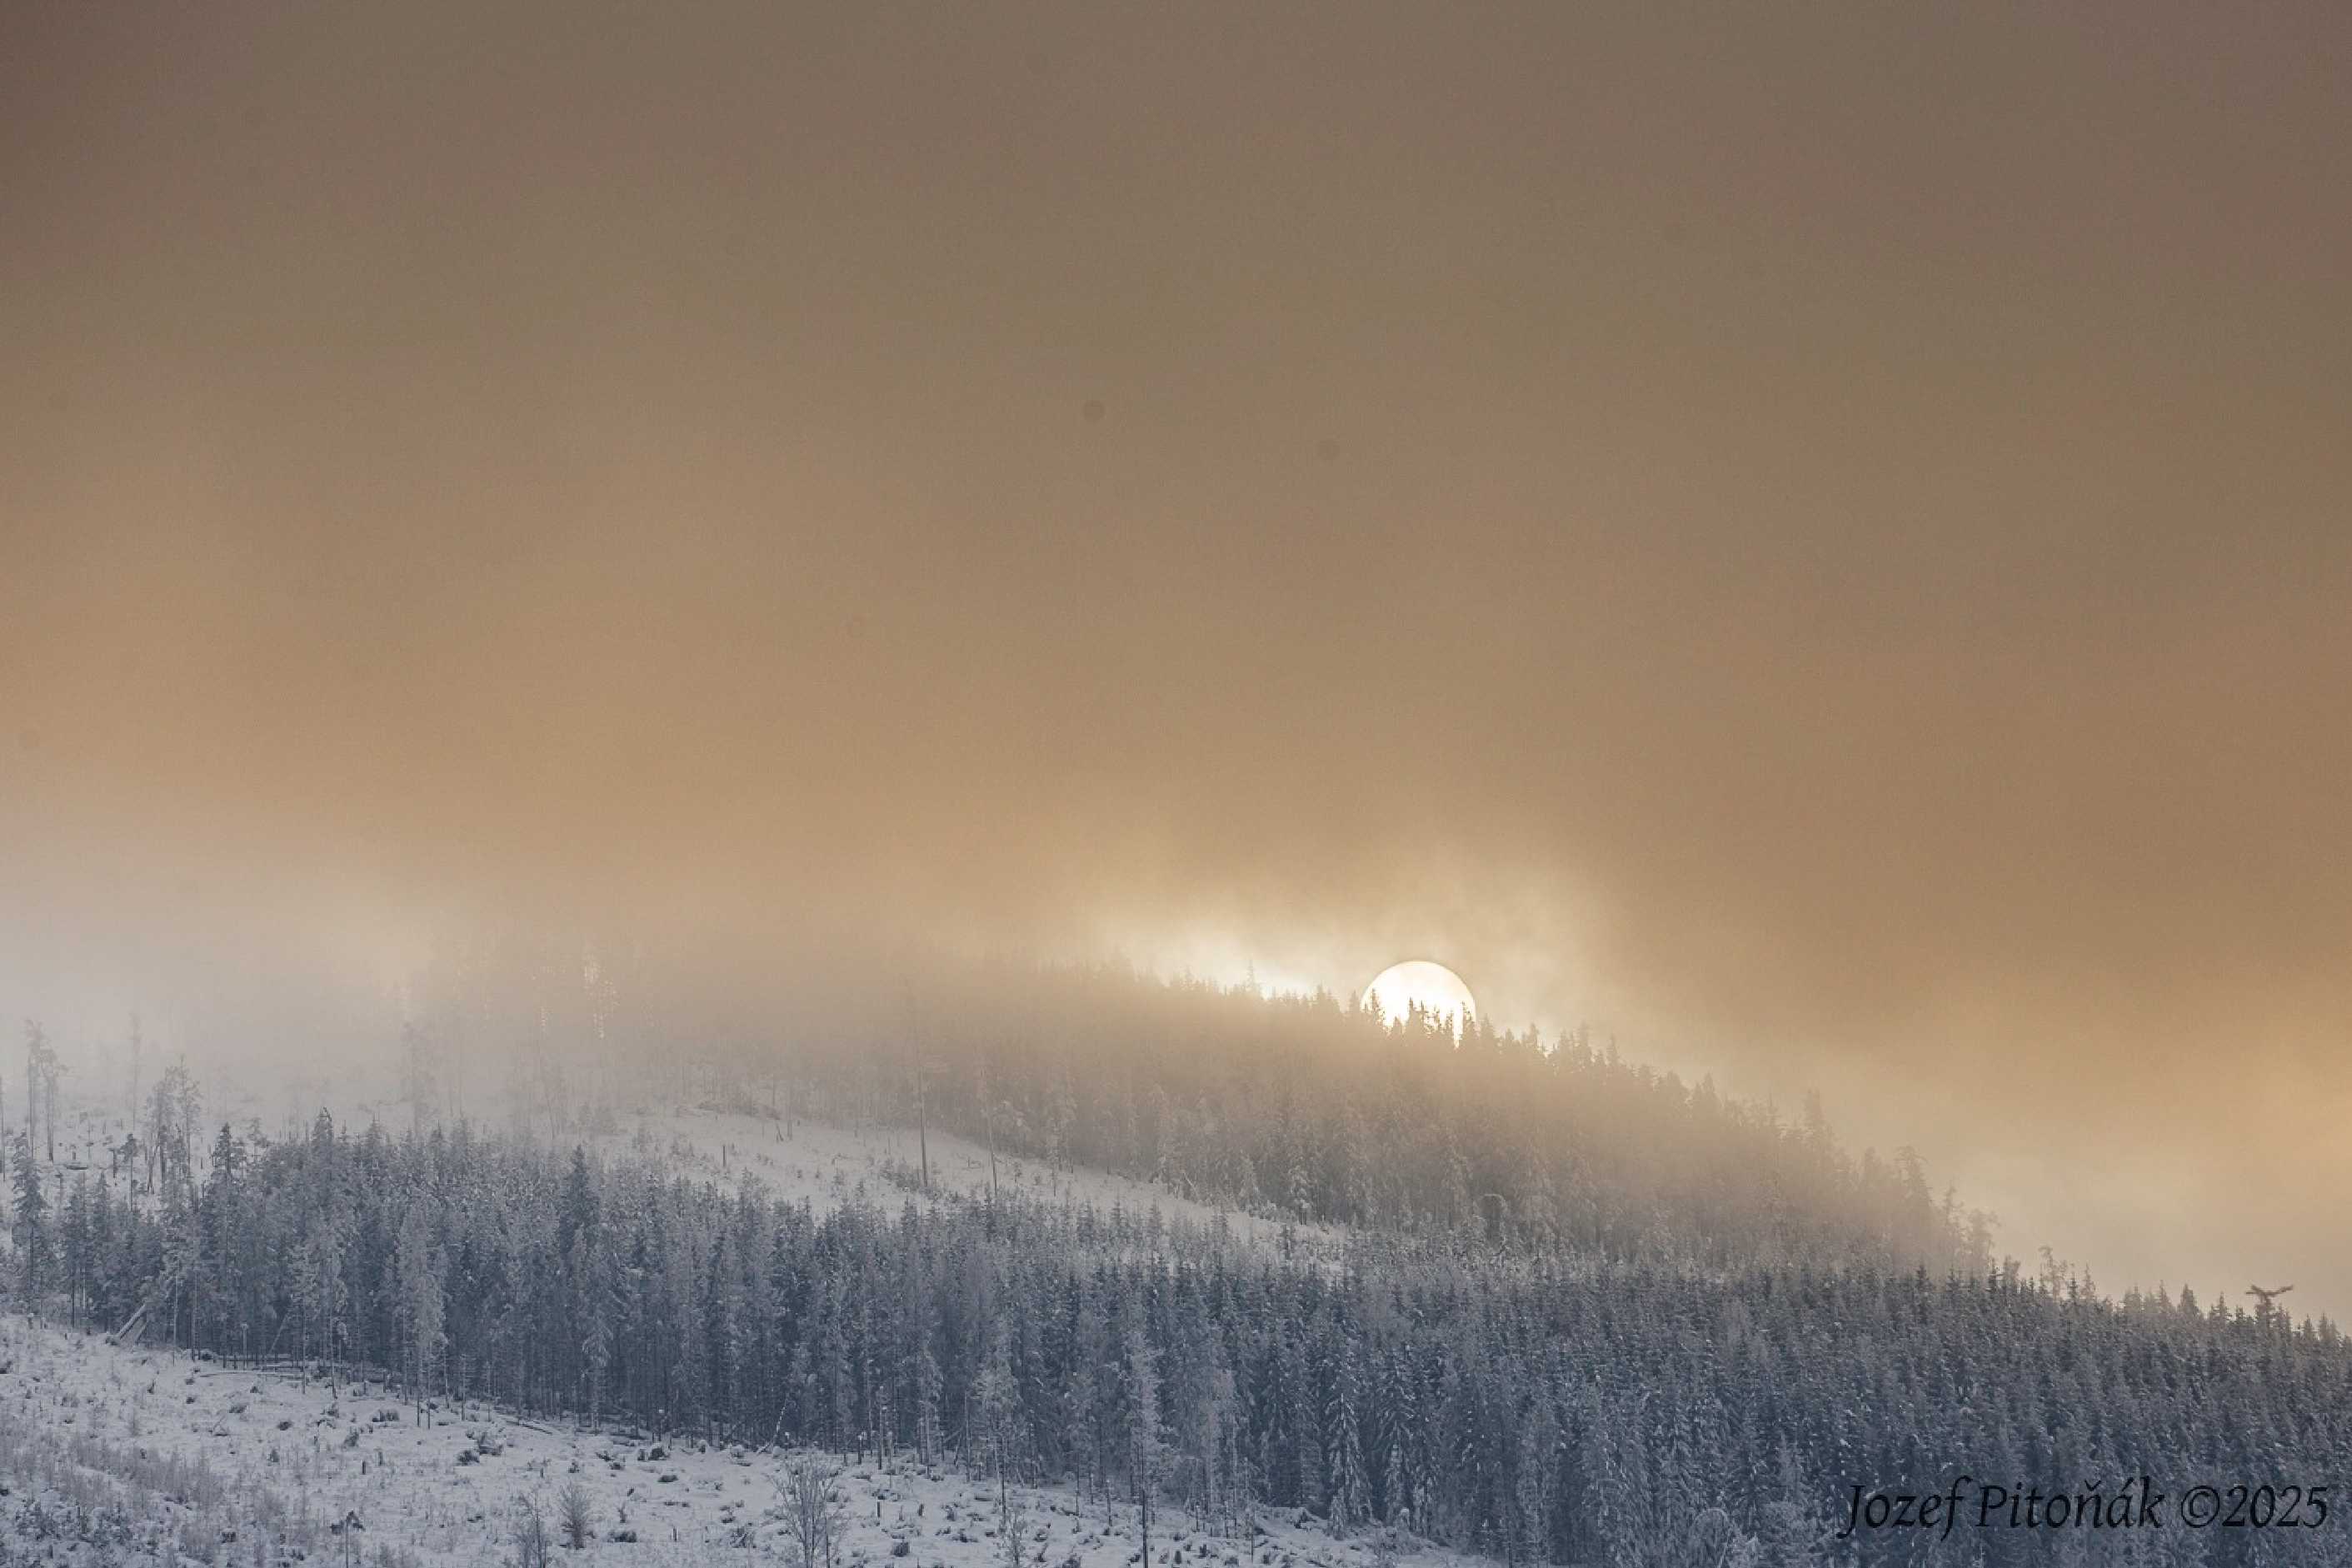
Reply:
x=1816, y=541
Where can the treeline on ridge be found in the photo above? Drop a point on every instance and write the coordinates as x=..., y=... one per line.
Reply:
x=1288, y=1105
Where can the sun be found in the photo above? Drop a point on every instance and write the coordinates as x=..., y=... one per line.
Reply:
x=1427, y=984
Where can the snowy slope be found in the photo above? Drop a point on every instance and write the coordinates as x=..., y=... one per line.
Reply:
x=824, y=1165
x=108, y=1450
x=828, y=1165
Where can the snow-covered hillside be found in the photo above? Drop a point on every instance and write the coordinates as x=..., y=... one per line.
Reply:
x=822, y=1164
x=108, y=1452
x=109, y=1449
x=828, y=1165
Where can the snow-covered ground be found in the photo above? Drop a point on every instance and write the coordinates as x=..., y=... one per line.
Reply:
x=828, y=1165
x=108, y=1452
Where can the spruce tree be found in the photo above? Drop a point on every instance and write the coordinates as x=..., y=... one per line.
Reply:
x=32, y=1227
x=1146, y=1439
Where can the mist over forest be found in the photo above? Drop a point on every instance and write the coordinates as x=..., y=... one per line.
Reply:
x=717, y=724
x=1503, y=1295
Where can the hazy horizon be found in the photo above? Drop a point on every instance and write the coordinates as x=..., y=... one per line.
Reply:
x=1812, y=543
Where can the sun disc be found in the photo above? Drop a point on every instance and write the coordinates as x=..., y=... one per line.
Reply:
x=1424, y=982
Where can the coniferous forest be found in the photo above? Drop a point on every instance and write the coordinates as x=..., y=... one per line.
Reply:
x=1579, y=1312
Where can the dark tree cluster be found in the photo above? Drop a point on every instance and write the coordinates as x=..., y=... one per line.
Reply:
x=1530, y=1405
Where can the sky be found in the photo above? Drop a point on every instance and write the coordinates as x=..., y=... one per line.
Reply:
x=1812, y=539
